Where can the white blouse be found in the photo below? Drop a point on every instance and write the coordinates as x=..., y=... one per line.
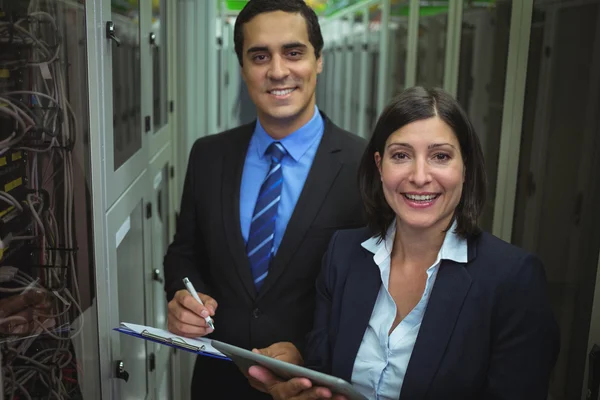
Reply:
x=382, y=359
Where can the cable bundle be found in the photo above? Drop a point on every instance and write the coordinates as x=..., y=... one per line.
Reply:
x=39, y=291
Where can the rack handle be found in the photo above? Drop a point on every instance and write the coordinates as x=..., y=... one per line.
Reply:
x=111, y=34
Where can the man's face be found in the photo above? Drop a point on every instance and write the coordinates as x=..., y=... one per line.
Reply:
x=280, y=67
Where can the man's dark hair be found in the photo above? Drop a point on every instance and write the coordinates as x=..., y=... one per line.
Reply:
x=256, y=7
x=412, y=105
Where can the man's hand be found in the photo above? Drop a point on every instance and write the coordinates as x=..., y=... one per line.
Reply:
x=186, y=315
x=294, y=389
x=284, y=351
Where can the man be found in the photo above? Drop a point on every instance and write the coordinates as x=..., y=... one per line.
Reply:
x=261, y=201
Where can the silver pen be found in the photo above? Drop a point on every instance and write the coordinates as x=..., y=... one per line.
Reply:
x=190, y=288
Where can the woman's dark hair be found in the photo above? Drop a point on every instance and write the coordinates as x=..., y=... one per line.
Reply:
x=412, y=105
x=256, y=7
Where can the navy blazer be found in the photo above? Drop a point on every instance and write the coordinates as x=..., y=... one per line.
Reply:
x=488, y=331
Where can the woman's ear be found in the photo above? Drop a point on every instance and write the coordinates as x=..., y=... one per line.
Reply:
x=378, y=162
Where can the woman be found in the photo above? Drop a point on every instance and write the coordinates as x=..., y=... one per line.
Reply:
x=422, y=304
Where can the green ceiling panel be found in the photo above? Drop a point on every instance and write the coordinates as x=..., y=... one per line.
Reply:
x=401, y=9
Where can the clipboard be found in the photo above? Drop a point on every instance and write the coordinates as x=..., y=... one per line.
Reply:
x=200, y=346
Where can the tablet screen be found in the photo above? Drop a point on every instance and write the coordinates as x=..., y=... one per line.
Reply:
x=244, y=359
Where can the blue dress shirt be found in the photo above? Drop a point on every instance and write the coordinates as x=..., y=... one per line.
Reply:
x=382, y=358
x=301, y=147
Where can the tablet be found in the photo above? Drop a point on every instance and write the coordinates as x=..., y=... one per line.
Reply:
x=245, y=359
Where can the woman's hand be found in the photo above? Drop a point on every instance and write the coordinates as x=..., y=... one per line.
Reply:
x=284, y=351
x=294, y=389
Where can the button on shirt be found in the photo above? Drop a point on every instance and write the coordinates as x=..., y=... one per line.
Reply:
x=301, y=147
x=382, y=359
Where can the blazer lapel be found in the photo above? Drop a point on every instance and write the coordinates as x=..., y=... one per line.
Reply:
x=364, y=281
x=325, y=168
x=233, y=165
x=449, y=291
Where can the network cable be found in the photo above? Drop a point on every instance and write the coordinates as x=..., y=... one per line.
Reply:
x=44, y=128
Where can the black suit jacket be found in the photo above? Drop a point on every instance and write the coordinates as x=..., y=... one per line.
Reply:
x=209, y=248
x=488, y=331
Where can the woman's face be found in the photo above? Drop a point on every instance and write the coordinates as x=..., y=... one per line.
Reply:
x=422, y=173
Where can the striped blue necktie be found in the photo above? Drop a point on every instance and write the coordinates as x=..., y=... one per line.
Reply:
x=262, y=228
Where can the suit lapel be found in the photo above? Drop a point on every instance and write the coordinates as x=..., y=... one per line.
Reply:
x=364, y=281
x=323, y=172
x=450, y=289
x=233, y=165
